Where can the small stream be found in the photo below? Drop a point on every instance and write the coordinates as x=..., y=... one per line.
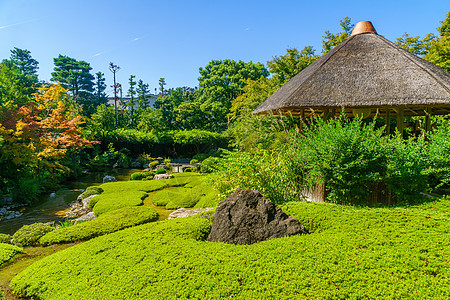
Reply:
x=52, y=208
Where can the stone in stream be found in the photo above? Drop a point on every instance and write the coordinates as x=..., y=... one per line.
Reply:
x=109, y=179
x=79, y=208
x=246, y=218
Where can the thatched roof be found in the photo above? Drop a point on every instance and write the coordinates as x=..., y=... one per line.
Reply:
x=364, y=71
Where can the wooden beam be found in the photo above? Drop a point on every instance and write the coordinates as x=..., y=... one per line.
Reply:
x=326, y=113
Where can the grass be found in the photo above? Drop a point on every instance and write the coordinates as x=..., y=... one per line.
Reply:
x=131, y=193
x=351, y=253
x=107, y=223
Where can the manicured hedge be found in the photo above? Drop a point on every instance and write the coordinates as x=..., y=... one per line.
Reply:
x=351, y=253
x=131, y=193
x=109, y=222
x=7, y=252
x=29, y=235
x=197, y=193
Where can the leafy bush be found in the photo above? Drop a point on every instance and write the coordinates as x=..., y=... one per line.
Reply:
x=92, y=190
x=208, y=165
x=5, y=238
x=200, y=157
x=439, y=148
x=193, y=162
x=142, y=175
x=161, y=171
x=106, y=223
x=153, y=164
x=187, y=170
x=197, y=193
x=352, y=253
x=7, y=252
x=29, y=235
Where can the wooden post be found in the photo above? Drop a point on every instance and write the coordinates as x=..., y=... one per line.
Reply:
x=400, y=117
x=326, y=113
x=427, y=119
x=302, y=119
x=388, y=121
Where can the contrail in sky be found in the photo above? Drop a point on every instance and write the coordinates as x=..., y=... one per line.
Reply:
x=20, y=23
x=112, y=49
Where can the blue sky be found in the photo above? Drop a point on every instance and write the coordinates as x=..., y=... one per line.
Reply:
x=172, y=39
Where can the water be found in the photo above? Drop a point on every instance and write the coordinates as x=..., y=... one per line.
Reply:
x=53, y=207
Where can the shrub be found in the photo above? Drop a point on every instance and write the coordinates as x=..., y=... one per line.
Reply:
x=200, y=157
x=153, y=164
x=29, y=235
x=161, y=171
x=92, y=190
x=7, y=252
x=208, y=165
x=193, y=162
x=187, y=170
x=142, y=175
x=106, y=223
x=5, y=238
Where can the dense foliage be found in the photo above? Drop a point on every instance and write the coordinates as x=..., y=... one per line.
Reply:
x=8, y=252
x=351, y=253
x=29, y=235
x=106, y=223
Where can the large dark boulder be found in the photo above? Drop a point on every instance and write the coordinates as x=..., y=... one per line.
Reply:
x=246, y=218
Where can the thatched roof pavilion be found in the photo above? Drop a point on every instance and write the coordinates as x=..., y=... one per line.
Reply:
x=366, y=74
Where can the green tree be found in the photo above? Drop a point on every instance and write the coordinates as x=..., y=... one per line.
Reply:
x=150, y=120
x=143, y=93
x=100, y=88
x=102, y=121
x=188, y=115
x=75, y=76
x=287, y=66
x=331, y=40
x=27, y=64
x=162, y=83
x=15, y=89
x=439, y=51
x=220, y=82
x=131, y=93
x=416, y=45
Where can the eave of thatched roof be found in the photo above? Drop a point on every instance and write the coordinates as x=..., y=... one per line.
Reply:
x=366, y=70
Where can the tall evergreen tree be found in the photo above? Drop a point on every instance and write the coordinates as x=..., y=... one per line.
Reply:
x=73, y=75
x=132, y=93
x=23, y=60
x=143, y=92
x=100, y=87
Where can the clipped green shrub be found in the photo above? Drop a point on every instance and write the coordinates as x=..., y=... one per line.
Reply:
x=92, y=190
x=153, y=164
x=187, y=170
x=142, y=175
x=5, y=238
x=193, y=161
x=131, y=193
x=161, y=171
x=352, y=253
x=7, y=252
x=29, y=235
x=106, y=223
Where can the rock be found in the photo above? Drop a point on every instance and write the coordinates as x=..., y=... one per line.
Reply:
x=187, y=212
x=162, y=176
x=136, y=165
x=161, y=167
x=13, y=215
x=109, y=179
x=6, y=200
x=79, y=208
x=3, y=211
x=52, y=195
x=246, y=217
x=87, y=217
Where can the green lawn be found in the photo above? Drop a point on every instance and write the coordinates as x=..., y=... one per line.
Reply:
x=351, y=253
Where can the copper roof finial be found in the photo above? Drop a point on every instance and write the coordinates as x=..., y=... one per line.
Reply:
x=364, y=27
